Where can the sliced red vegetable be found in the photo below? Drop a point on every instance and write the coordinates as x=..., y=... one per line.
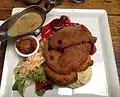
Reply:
x=57, y=24
x=38, y=85
x=46, y=31
x=93, y=50
x=84, y=28
x=44, y=85
x=64, y=19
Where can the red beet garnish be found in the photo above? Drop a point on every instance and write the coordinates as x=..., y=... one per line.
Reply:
x=40, y=85
x=64, y=19
x=84, y=28
x=93, y=50
x=56, y=24
x=46, y=31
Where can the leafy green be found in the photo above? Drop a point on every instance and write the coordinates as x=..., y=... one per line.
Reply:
x=28, y=83
x=40, y=92
x=18, y=76
x=23, y=81
x=15, y=86
x=19, y=85
x=38, y=75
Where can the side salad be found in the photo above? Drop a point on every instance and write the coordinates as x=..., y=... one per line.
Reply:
x=29, y=71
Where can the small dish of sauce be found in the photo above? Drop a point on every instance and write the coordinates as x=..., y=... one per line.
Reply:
x=27, y=46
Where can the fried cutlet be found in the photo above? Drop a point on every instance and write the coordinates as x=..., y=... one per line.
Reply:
x=64, y=63
x=69, y=36
x=58, y=79
x=67, y=52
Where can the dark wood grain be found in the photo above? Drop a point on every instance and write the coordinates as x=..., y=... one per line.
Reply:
x=112, y=7
x=5, y=4
x=115, y=33
x=5, y=13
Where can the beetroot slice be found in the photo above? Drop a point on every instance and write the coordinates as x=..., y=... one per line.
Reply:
x=93, y=50
x=84, y=28
x=40, y=85
x=64, y=19
x=57, y=24
x=46, y=31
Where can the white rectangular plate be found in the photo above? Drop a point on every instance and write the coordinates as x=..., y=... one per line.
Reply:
x=104, y=81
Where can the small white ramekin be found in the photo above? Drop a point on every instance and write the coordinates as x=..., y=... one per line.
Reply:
x=35, y=51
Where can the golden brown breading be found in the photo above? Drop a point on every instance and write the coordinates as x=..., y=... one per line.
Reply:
x=73, y=59
x=58, y=79
x=70, y=36
x=68, y=52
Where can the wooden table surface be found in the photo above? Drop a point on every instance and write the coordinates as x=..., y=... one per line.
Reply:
x=111, y=6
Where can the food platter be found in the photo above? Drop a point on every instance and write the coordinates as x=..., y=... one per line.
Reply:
x=104, y=81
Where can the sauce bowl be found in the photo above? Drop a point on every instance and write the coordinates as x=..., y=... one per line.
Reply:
x=27, y=37
x=8, y=24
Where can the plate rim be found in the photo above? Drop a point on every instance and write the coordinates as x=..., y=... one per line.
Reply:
x=102, y=14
